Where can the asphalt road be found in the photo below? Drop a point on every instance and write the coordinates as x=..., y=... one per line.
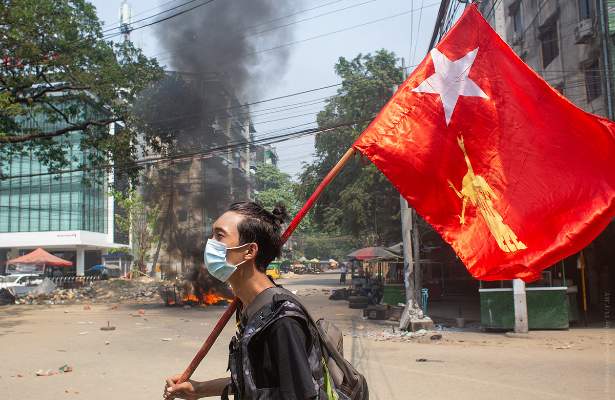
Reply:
x=132, y=361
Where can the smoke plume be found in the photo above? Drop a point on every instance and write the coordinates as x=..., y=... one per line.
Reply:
x=225, y=37
x=215, y=62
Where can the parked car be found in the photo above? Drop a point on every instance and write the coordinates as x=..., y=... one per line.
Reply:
x=20, y=284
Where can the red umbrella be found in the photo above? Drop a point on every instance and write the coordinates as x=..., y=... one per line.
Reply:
x=370, y=253
x=41, y=257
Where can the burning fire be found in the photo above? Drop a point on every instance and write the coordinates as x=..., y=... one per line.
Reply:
x=207, y=299
x=213, y=298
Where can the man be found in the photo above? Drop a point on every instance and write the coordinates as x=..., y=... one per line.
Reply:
x=280, y=360
x=343, y=271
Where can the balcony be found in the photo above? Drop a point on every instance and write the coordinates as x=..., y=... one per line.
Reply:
x=584, y=31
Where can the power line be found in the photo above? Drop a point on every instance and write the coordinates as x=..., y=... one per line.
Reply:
x=157, y=14
x=246, y=112
x=493, y=7
x=295, y=13
x=118, y=23
x=371, y=22
x=201, y=152
x=418, y=31
x=177, y=14
x=442, y=11
x=246, y=35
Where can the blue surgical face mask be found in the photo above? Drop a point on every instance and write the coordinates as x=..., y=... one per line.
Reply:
x=215, y=260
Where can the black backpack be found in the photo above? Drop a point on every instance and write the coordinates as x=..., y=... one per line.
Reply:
x=346, y=383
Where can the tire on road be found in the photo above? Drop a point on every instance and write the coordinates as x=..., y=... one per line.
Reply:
x=358, y=302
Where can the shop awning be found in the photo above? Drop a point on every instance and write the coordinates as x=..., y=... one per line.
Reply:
x=371, y=253
x=41, y=257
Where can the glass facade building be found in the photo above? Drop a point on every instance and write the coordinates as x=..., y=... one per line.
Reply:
x=33, y=200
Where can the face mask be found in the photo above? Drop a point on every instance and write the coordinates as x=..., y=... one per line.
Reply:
x=215, y=260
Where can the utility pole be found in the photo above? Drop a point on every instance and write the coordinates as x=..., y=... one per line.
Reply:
x=412, y=318
x=519, y=298
x=125, y=20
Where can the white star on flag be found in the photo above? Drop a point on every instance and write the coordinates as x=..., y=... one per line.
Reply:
x=451, y=80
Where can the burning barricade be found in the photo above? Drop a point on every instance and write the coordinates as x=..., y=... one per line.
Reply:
x=198, y=289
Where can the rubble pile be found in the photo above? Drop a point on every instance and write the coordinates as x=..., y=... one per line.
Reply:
x=142, y=290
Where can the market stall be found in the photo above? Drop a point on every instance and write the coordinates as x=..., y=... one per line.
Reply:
x=381, y=266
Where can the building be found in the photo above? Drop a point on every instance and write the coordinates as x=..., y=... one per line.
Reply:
x=263, y=154
x=195, y=189
x=570, y=43
x=71, y=215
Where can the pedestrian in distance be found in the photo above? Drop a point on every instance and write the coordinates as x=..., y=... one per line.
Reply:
x=343, y=272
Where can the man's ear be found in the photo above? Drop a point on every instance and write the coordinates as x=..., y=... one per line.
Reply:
x=251, y=252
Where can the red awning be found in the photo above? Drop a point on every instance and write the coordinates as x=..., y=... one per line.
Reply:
x=41, y=257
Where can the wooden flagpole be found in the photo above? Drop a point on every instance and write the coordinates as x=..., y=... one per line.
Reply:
x=226, y=316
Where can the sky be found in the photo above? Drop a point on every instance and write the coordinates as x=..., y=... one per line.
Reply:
x=388, y=24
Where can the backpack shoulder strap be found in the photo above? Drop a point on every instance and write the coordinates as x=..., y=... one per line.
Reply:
x=263, y=299
x=325, y=342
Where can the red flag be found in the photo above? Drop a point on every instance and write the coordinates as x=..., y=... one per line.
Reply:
x=510, y=173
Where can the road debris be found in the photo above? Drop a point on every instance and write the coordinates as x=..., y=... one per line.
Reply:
x=49, y=372
x=107, y=328
x=142, y=290
x=65, y=368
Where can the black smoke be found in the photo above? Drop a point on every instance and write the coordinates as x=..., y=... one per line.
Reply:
x=215, y=62
x=226, y=38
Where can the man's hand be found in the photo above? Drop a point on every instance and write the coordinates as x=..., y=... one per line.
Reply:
x=186, y=390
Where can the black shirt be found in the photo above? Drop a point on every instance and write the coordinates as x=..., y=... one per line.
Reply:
x=279, y=357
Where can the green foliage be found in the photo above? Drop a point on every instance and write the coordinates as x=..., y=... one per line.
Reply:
x=325, y=247
x=56, y=68
x=117, y=250
x=274, y=186
x=141, y=220
x=360, y=202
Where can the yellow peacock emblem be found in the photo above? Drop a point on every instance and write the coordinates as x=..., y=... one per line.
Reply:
x=476, y=190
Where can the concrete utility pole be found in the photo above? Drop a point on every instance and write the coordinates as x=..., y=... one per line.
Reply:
x=412, y=318
x=125, y=20
x=520, y=302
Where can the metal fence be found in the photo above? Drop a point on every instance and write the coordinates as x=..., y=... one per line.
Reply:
x=68, y=282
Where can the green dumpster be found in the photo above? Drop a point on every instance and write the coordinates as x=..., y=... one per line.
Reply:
x=393, y=294
x=547, y=308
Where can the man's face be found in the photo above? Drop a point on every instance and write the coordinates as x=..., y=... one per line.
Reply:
x=225, y=231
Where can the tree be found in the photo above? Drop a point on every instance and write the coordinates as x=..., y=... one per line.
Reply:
x=59, y=76
x=139, y=219
x=274, y=186
x=360, y=201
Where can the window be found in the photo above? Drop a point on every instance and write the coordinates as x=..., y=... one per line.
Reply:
x=515, y=13
x=585, y=9
x=549, y=43
x=182, y=215
x=593, y=81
